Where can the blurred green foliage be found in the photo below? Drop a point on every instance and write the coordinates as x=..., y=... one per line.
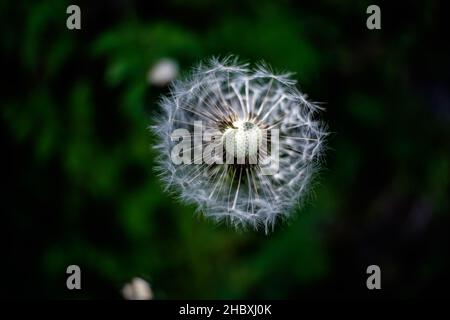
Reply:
x=75, y=111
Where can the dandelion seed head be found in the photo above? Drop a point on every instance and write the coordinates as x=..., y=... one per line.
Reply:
x=243, y=106
x=162, y=72
x=137, y=289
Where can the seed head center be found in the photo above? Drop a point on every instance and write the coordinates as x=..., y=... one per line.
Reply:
x=242, y=140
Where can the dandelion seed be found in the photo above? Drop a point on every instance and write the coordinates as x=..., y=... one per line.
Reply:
x=243, y=106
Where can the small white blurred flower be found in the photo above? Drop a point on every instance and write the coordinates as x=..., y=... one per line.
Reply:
x=162, y=72
x=137, y=289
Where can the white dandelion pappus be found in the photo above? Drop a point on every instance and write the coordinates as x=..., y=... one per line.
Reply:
x=240, y=105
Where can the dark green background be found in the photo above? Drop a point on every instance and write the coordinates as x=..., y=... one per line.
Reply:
x=79, y=188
